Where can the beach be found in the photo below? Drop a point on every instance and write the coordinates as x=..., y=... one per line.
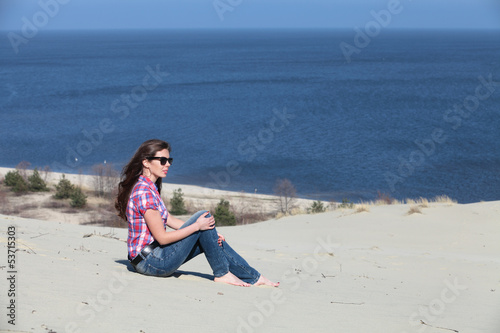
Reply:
x=380, y=269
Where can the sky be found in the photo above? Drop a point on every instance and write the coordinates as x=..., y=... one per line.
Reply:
x=227, y=14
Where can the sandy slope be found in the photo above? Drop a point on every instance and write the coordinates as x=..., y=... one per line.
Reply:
x=377, y=271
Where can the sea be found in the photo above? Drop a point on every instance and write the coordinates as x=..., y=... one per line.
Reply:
x=342, y=114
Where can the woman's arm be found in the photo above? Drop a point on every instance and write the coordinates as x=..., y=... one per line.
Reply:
x=155, y=225
x=174, y=222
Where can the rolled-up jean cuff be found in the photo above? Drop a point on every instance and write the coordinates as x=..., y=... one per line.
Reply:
x=256, y=279
x=220, y=275
x=253, y=281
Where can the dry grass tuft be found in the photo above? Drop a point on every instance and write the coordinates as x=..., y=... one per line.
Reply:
x=421, y=202
x=444, y=199
x=362, y=208
x=294, y=211
x=410, y=201
x=297, y=211
x=425, y=203
x=280, y=215
x=385, y=199
x=414, y=209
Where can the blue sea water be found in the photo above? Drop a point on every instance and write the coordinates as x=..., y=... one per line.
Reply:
x=409, y=114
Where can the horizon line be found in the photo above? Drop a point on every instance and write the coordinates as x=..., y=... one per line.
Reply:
x=492, y=29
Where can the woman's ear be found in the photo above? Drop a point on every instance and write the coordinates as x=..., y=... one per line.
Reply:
x=145, y=163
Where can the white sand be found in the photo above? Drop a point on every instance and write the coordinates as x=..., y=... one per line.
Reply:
x=377, y=271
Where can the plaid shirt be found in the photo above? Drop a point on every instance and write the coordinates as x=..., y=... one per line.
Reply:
x=144, y=196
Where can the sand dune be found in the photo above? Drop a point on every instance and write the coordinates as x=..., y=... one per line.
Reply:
x=341, y=271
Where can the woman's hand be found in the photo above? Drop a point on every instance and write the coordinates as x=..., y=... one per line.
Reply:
x=206, y=223
x=221, y=239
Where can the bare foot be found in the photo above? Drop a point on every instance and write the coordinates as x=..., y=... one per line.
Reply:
x=230, y=278
x=266, y=282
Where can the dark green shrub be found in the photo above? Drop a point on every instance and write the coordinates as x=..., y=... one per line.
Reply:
x=14, y=180
x=64, y=189
x=223, y=216
x=78, y=198
x=36, y=183
x=317, y=207
x=21, y=187
x=177, y=203
x=346, y=203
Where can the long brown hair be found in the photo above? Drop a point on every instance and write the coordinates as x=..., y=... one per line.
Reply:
x=132, y=171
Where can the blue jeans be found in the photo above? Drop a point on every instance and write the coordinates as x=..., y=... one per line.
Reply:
x=166, y=259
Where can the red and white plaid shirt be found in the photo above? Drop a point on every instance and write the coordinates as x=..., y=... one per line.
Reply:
x=144, y=196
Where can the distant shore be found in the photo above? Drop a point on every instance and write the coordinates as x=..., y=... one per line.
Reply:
x=195, y=197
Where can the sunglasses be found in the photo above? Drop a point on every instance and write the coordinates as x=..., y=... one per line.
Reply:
x=163, y=160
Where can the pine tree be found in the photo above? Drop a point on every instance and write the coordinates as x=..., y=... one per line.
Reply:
x=78, y=198
x=14, y=180
x=223, y=216
x=317, y=207
x=177, y=203
x=64, y=189
x=36, y=183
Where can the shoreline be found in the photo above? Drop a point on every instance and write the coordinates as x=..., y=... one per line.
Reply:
x=249, y=207
x=195, y=198
x=360, y=196
x=87, y=171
